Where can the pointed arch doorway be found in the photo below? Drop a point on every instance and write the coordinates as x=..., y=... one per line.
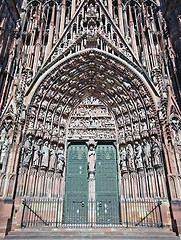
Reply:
x=91, y=190
x=133, y=126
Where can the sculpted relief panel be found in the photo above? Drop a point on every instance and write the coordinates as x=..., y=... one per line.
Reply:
x=92, y=120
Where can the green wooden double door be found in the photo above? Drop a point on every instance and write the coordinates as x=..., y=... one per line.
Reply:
x=105, y=207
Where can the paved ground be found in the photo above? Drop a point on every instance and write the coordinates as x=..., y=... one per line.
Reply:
x=93, y=234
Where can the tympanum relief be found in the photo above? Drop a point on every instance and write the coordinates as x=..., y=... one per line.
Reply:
x=92, y=120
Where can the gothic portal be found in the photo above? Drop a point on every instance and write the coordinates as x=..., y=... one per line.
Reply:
x=90, y=125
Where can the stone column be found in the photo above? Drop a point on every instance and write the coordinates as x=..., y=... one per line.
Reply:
x=150, y=36
x=57, y=24
x=120, y=14
x=132, y=32
x=91, y=183
x=38, y=44
x=62, y=21
x=50, y=36
x=110, y=7
x=125, y=22
x=23, y=173
x=145, y=54
x=73, y=8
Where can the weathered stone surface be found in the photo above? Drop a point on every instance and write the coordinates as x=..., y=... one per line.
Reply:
x=89, y=72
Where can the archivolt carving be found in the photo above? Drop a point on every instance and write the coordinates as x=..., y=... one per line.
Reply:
x=99, y=104
x=129, y=102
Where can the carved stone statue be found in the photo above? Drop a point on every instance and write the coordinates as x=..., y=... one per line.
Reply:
x=138, y=156
x=60, y=161
x=152, y=123
x=2, y=137
x=130, y=156
x=121, y=132
x=143, y=126
x=53, y=157
x=45, y=151
x=156, y=151
x=4, y=150
x=123, y=159
x=91, y=11
x=142, y=114
x=91, y=160
x=27, y=151
x=36, y=149
x=147, y=153
x=136, y=128
x=176, y=127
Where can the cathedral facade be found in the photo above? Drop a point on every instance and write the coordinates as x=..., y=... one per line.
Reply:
x=90, y=128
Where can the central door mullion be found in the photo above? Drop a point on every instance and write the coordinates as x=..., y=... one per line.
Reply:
x=91, y=186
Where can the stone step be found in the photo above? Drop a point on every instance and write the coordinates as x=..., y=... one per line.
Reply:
x=96, y=234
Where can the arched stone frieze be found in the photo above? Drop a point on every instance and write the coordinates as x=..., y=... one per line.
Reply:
x=110, y=87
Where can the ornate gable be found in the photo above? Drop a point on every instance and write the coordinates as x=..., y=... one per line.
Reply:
x=91, y=27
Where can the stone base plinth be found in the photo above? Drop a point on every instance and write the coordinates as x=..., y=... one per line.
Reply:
x=176, y=211
x=6, y=206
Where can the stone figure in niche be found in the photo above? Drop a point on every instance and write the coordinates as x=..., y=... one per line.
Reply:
x=4, y=150
x=123, y=159
x=53, y=157
x=27, y=151
x=139, y=104
x=127, y=119
x=2, y=137
x=130, y=156
x=92, y=159
x=147, y=153
x=142, y=114
x=156, y=151
x=134, y=117
x=138, y=157
x=120, y=121
x=91, y=11
x=124, y=109
x=37, y=153
x=60, y=161
x=152, y=124
x=151, y=112
x=121, y=132
x=55, y=131
x=136, y=128
x=147, y=101
x=160, y=114
x=62, y=132
x=45, y=155
x=176, y=127
x=143, y=126
x=142, y=91
x=128, y=131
